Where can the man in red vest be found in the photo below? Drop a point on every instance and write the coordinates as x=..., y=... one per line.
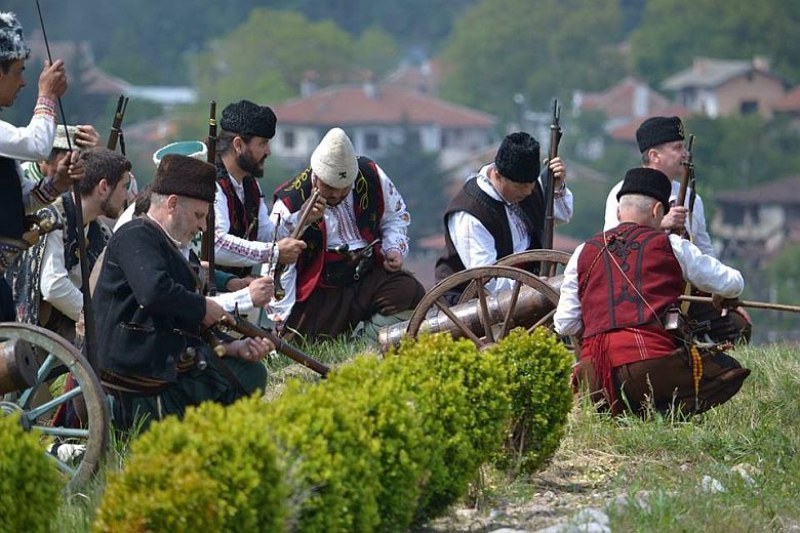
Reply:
x=620, y=292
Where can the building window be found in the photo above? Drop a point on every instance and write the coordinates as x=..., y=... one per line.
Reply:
x=289, y=139
x=372, y=141
x=748, y=107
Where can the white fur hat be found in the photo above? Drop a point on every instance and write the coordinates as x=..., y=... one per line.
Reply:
x=60, y=140
x=12, y=43
x=196, y=149
x=334, y=160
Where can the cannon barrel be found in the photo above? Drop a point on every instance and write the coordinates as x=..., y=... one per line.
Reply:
x=530, y=307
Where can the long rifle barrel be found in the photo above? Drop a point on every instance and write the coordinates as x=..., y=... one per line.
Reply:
x=116, y=126
x=248, y=329
x=299, y=229
x=549, y=182
x=207, y=247
x=744, y=303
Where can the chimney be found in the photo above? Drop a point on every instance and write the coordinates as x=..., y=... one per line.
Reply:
x=370, y=88
x=309, y=84
x=761, y=63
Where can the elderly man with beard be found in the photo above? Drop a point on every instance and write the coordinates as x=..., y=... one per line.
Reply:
x=244, y=234
x=151, y=314
x=58, y=300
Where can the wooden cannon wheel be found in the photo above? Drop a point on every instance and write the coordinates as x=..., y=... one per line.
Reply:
x=494, y=327
x=87, y=396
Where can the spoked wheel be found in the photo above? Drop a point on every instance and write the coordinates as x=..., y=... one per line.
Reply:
x=42, y=405
x=485, y=318
x=552, y=261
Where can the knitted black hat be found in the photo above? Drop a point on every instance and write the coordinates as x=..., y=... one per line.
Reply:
x=659, y=130
x=185, y=176
x=246, y=118
x=518, y=158
x=12, y=43
x=648, y=182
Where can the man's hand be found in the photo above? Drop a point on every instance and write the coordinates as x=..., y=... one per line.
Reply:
x=393, y=261
x=215, y=314
x=289, y=250
x=86, y=137
x=252, y=350
x=261, y=291
x=53, y=80
x=722, y=304
x=237, y=284
x=559, y=172
x=317, y=211
x=69, y=170
x=675, y=219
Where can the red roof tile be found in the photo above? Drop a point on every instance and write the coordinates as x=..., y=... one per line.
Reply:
x=782, y=192
x=627, y=132
x=350, y=105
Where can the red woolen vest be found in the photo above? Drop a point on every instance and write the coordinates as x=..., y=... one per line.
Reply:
x=611, y=300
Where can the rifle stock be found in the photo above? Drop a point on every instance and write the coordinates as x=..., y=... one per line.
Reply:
x=248, y=329
x=207, y=246
x=688, y=178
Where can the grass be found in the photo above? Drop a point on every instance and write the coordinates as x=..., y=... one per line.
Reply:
x=647, y=475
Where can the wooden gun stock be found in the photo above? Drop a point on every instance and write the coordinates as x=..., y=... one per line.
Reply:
x=248, y=329
x=688, y=178
x=300, y=228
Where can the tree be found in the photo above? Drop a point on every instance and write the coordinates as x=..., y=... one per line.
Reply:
x=501, y=47
x=674, y=31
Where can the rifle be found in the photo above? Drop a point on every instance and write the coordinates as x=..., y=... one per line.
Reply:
x=89, y=331
x=299, y=229
x=688, y=179
x=248, y=329
x=549, y=181
x=207, y=247
x=116, y=126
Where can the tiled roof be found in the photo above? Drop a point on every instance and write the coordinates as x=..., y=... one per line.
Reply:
x=789, y=102
x=785, y=191
x=350, y=105
x=710, y=73
x=621, y=99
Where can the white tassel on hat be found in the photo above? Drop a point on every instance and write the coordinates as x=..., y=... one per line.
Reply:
x=334, y=160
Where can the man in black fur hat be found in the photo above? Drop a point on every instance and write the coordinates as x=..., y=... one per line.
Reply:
x=500, y=210
x=19, y=196
x=245, y=235
x=619, y=291
x=661, y=142
x=151, y=313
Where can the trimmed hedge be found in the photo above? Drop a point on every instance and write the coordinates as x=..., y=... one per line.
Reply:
x=215, y=470
x=541, y=398
x=30, y=485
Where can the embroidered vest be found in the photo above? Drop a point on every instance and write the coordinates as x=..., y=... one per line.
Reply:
x=620, y=273
x=368, y=205
x=243, y=218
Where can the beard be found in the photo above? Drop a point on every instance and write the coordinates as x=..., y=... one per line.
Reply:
x=109, y=210
x=247, y=163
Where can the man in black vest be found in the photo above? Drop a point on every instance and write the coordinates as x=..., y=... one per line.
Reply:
x=18, y=196
x=500, y=211
x=352, y=270
x=245, y=235
x=151, y=314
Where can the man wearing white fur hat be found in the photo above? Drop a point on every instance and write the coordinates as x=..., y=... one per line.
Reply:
x=18, y=196
x=351, y=270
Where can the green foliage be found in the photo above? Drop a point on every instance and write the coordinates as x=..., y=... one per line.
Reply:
x=541, y=397
x=542, y=50
x=213, y=471
x=674, y=31
x=29, y=483
x=463, y=403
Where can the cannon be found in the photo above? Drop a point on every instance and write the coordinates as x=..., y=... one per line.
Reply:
x=480, y=316
x=42, y=375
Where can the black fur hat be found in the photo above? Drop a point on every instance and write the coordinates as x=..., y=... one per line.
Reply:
x=659, y=130
x=246, y=118
x=185, y=176
x=647, y=182
x=518, y=158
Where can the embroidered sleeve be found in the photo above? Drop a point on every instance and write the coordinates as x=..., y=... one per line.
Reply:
x=396, y=217
x=235, y=251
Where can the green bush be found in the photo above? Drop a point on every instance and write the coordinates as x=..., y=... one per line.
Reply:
x=215, y=470
x=541, y=398
x=30, y=485
x=462, y=401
